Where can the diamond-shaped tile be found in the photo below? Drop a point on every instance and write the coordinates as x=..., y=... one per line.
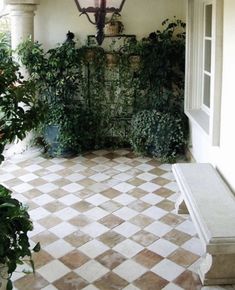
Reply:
x=111, y=281
x=130, y=270
x=150, y=281
x=93, y=248
x=111, y=221
x=162, y=247
x=168, y=270
x=126, y=229
x=148, y=258
x=128, y=248
x=59, y=270
x=59, y=248
x=111, y=238
x=111, y=259
x=91, y=271
x=95, y=229
x=70, y=281
x=144, y=238
x=74, y=259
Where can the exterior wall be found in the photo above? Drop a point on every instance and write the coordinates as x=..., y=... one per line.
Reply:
x=55, y=17
x=222, y=156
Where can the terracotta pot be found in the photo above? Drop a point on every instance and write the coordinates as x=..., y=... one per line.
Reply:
x=111, y=59
x=134, y=61
x=114, y=28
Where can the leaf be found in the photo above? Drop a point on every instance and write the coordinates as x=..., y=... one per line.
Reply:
x=37, y=248
x=9, y=285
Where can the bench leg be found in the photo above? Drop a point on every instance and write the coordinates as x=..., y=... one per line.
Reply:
x=180, y=206
x=217, y=269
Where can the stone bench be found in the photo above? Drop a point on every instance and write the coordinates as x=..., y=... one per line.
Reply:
x=211, y=205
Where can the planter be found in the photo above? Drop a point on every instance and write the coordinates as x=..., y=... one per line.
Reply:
x=112, y=59
x=135, y=61
x=113, y=28
x=3, y=277
x=54, y=147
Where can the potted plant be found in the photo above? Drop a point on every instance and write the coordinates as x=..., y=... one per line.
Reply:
x=114, y=26
x=58, y=75
x=20, y=112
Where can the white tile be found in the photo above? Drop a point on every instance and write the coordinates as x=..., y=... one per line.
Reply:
x=90, y=287
x=91, y=271
x=94, y=229
x=51, y=177
x=75, y=177
x=187, y=227
x=174, y=197
x=6, y=177
x=146, y=176
x=169, y=176
x=145, y=167
x=172, y=286
x=38, y=213
x=154, y=212
x=37, y=228
x=123, y=160
x=129, y=270
x=130, y=287
x=43, y=199
x=123, y=187
x=157, y=228
x=11, y=167
x=69, y=199
x=166, y=167
x=23, y=187
x=98, y=187
x=122, y=167
x=99, y=177
x=100, y=159
x=172, y=186
x=168, y=270
x=20, y=197
x=194, y=245
x=124, y=199
x=96, y=213
x=59, y=270
x=149, y=186
x=122, y=176
x=33, y=167
x=58, y=248
x=97, y=199
x=72, y=187
x=46, y=188
x=128, y=248
x=28, y=177
x=142, y=159
x=112, y=182
x=126, y=229
x=63, y=229
x=125, y=213
x=162, y=247
x=152, y=198
x=66, y=214
x=55, y=168
x=93, y=248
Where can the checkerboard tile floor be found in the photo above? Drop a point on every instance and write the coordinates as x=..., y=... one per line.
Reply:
x=105, y=220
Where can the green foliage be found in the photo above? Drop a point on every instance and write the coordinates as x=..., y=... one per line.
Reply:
x=159, y=134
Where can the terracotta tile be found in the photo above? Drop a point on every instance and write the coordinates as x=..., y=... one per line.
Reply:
x=87, y=182
x=65, y=172
x=150, y=281
x=166, y=204
x=183, y=258
x=141, y=220
x=50, y=222
x=32, y=193
x=41, y=258
x=144, y=238
x=172, y=219
x=154, y=162
x=12, y=182
x=160, y=181
x=90, y=155
x=137, y=192
x=111, y=193
x=111, y=259
x=31, y=205
x=31, y=282
x=136, y=181
x=71, y=281
x=84, y=193
x=177, y=237
x=82, y=206
x=61, y=182
x=157, y=171
x=80, y=221
x=110, y=206
x=111, y=155
x=45, y=238
x=131, y=155
x=111, y=221
x=20, y=172
x=37, y=182
x=57, y=193
x=164, y=192
x=188, y=281
x=54, y=206
x=139, y=205
x=148, y=258
x=111, y=281
x=77, y=239
x=88, y=172
x=74, y=259
x=111, y=238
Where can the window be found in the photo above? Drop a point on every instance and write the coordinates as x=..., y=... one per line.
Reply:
x=204, y=65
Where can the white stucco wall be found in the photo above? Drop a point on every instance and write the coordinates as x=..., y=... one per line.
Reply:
x=55, y=17
x=223, y=156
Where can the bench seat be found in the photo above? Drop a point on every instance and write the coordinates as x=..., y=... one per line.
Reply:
x=211, y=205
